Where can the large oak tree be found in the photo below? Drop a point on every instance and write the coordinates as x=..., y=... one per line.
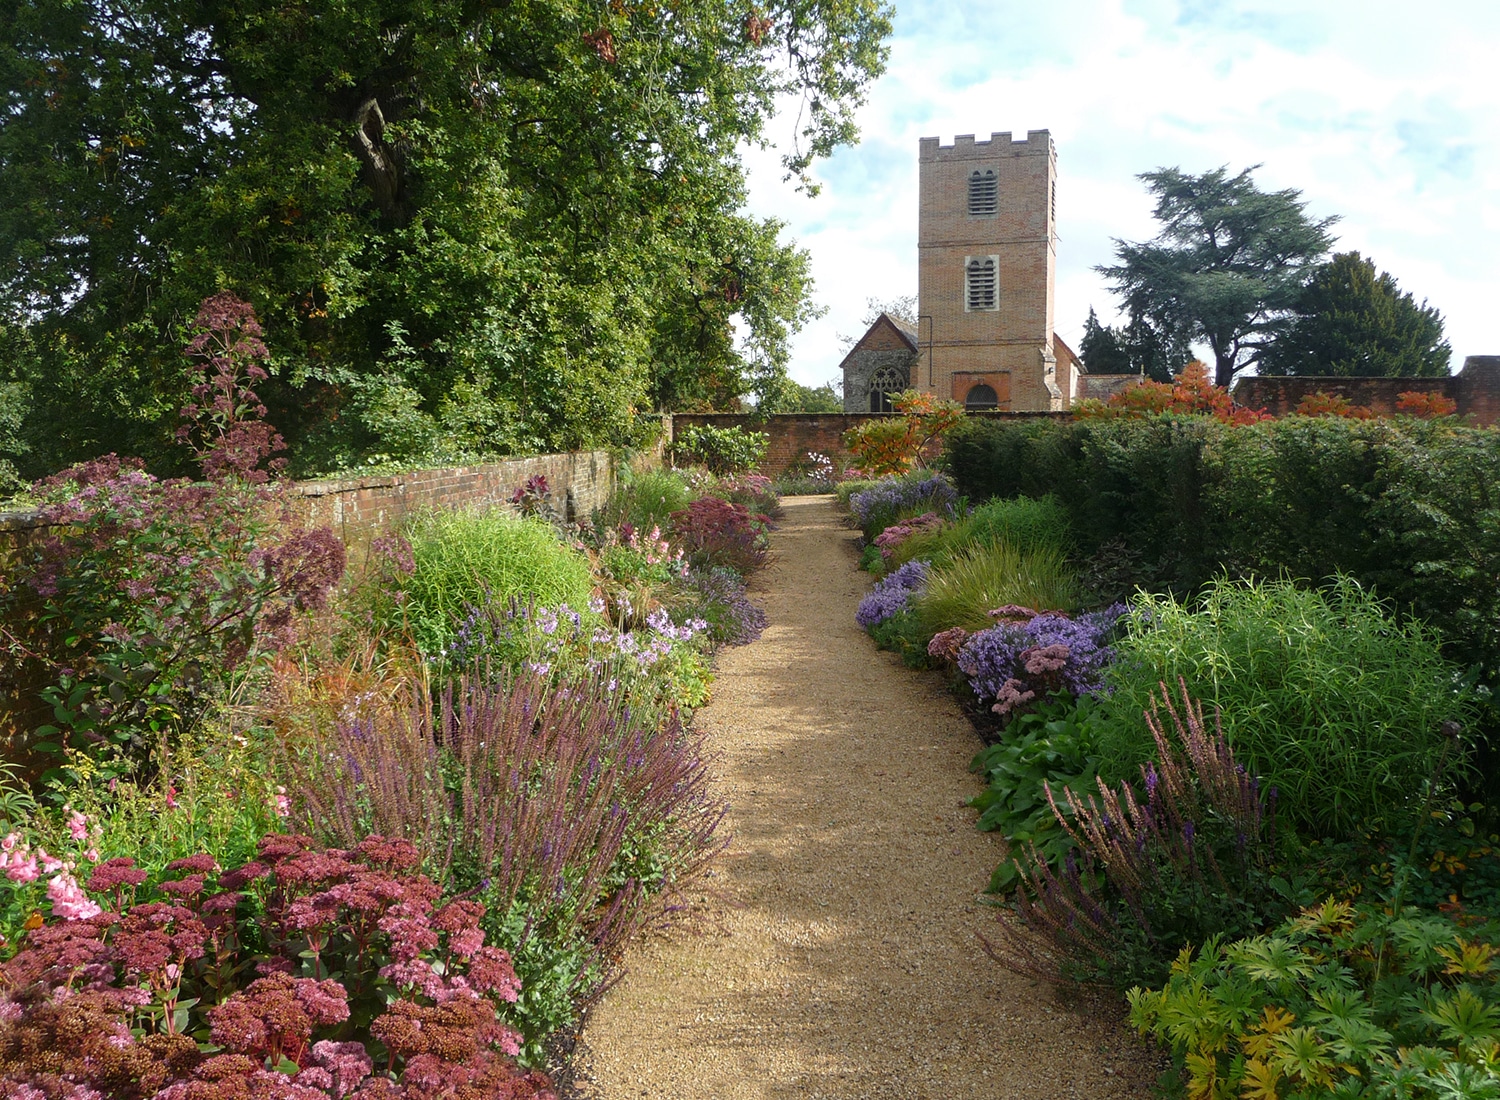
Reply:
x=468, y=225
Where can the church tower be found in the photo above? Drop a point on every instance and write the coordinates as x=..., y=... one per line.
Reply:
x=986, y=266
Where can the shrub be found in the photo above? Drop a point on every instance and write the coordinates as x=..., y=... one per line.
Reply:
x=902, y=634
x=983, y=577
x=715, y=532
x=894, y=445
x=889, y=501
x=723, y=450
x=566, y=812
x=1188, y=859
x=124, y=1000
x=463, y=557
x=1340, y=1000
x=137, y=608
x=1323, y=694
x=892, y=594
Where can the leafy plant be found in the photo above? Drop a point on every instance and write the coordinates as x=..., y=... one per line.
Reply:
x=731, y=450
x=1340, y=1000
x=649, y=498
x=1022, y=523
x=888, y=501
x=1049, y=746
x=1323, y=694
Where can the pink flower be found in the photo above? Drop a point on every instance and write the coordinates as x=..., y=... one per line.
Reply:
x=50, y=864
x=282, y=805
x=68, y=899
x=78, y=825
x=171, y=797
x=22, y=868
x=9, y=842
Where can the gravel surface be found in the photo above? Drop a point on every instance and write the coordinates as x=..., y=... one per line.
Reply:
x=841, y=953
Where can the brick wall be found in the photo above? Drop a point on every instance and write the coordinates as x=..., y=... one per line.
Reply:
x=792, y=435
x=1476, y=389
x=359, y=509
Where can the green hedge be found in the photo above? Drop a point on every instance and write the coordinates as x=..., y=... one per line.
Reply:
x=1409, y=508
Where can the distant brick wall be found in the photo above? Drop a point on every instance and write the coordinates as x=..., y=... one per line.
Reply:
x=359, y=509
x=1475, y=389
x=792, y=435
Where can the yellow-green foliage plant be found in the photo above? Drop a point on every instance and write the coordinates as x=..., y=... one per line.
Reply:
x=467, y=557
x=962, y=592
x=1340, y=1001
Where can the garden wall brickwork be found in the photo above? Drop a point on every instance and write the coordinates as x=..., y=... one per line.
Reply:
x=359, y=509
x=1475, y=389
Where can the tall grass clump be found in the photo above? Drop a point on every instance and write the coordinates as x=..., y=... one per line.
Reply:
x=1323, y=694
x=963, y=592
x=467, y=557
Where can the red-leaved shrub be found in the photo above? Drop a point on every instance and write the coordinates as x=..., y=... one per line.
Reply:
x=719, y=532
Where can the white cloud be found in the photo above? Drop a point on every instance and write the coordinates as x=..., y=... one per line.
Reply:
x=1378, y=113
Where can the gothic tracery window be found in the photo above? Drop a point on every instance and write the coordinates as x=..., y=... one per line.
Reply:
x=885, y=382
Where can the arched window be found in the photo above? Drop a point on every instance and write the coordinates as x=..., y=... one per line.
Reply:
x=981, y=397
x=885, y=382
x=980, y=284
x=984, y=193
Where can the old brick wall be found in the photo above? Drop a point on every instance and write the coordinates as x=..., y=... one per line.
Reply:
x=359, y=509
x=1475, y=389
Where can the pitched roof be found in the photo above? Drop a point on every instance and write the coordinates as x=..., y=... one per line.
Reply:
x=907, y=334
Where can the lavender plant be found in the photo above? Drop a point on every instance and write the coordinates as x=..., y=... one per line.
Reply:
x=891, y=594
x=1184, y=858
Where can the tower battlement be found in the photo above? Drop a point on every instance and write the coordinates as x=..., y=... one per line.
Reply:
x=965, y=147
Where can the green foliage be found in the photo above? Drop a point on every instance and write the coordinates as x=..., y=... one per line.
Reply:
x=13, y=405
x=985, y=576
x=647, y=500
x=732, y=450
x=1230, y=258
x=1349, y=321
x=797, y=398
x=1338, y=1001
x=1323, y=695
x=467, y=557
x=1050, y=745
x=482, y=229
x=904, y=635
x=1022, y=523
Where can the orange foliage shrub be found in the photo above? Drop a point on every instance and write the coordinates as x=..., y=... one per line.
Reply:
x=894, y=446
x=1192, y=393
x=1425, y=406
x=1331, y=404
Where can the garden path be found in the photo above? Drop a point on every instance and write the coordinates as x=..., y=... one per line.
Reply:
x=841, y=956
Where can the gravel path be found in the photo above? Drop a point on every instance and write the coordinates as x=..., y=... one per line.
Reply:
x=842, y=959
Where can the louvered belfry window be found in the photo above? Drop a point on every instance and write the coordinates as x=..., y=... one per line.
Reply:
x=984, y=193
x=980, y=280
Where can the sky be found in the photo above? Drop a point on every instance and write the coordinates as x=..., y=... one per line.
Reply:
x=1385, y=115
